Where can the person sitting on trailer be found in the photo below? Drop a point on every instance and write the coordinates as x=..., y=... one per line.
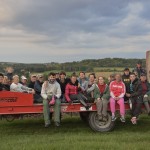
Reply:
x=32, y=81
x=145, y=92
x=135, y=95
x=3, y=86
x=37, y=88
x=63, y=81
x=18, y=87
x=51, y=91
x=91, y=86
x=126, y=80
x=72, y=93
x=117, y=92
x=6, y=83
x=101, y=95
x=83, y=81
x=23, y=80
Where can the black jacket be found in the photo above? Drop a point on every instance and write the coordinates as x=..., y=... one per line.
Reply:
x=126, y=81
x=136, y=89
x=38, y=87
x=4, y=87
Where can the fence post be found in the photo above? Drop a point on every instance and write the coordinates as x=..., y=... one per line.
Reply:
x=148, y=65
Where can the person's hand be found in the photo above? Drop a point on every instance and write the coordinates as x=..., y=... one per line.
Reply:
x=33, y=91
x=145, y=96
x=116, y=98
x=49, y=97
x=128, y=95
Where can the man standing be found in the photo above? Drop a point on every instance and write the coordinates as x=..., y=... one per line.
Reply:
x=51, y=89
x=139, y=69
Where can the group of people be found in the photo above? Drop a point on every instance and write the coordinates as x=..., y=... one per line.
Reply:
x=131, y=87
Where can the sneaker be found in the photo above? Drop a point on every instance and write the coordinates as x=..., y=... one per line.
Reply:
x=134, y=120
x=122, y=119
x=113, y=118
x=57, y=124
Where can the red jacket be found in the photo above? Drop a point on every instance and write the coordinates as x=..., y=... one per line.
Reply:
x=117, y=89
x=71, y=89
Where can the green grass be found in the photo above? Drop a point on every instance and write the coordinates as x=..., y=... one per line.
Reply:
x=30, y=134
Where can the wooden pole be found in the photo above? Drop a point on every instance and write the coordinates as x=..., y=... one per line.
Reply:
x=148, y=65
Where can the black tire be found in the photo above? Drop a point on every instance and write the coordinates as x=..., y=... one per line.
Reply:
x=100, y=126
x=84, y=116
x=10, y=118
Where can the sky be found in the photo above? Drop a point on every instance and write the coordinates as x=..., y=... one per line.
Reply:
x=42, y=31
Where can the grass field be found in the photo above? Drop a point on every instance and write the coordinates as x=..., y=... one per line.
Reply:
x=74, y=134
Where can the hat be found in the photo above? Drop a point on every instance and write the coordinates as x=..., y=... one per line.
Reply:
x=23, y=78
x=126, y=69
x=143, y=74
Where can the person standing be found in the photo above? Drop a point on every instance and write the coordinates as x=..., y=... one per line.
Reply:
x=139, y=69
x=135, y=95
x=51, y=90
x=117, y=92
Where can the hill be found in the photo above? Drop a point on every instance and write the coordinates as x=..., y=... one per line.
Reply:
x=87, y=65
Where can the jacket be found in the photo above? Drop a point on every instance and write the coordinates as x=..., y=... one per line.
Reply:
x=38, y=87
x=98, y=94
x=135, y=88
x=71, y=89
x=117, y=89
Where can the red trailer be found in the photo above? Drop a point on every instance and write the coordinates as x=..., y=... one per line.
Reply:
x=15, y=103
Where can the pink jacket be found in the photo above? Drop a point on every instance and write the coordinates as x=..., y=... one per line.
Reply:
x=117, y=89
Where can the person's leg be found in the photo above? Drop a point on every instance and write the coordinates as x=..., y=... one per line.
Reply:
x=57, y=110
x=99, y=108
x=46, y=111
x=104, y=106
x=112, y=108
x=133, y=106
x=146, y=104
x=122, y=107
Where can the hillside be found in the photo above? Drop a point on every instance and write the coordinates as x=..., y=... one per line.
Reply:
x=84, y=65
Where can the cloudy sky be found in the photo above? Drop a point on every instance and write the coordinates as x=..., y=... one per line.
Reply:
x=71, y=30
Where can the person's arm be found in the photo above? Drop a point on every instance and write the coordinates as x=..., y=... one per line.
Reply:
x=138, y=91
x=58, y=93
x=43, y=91
x=91, y=88
x=123, y=91
x=148, y=91
x=110, y=88
x=37, y=87
x=67, y=93
x=106, y=94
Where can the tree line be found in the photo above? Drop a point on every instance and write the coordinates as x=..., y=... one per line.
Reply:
x=86, y=65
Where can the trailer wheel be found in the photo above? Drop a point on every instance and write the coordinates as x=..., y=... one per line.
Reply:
x=100, y=126
x=84, y=116
x=10, y=118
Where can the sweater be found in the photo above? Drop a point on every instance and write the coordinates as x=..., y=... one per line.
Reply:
x=117, y=89
x=52, y=89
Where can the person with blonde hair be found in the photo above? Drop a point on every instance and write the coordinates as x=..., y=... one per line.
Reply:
x=18, y=87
